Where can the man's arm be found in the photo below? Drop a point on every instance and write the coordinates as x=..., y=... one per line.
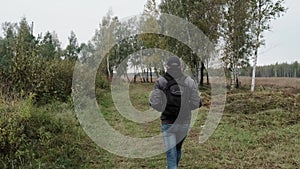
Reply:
x=195, y=100
x=156, y=97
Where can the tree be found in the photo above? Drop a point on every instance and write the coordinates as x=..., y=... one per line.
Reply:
x=235, y=31
x=114, y=42
x=149, y=23
x=73, y=49
x=102, y=40
x=23, y=68
x=295, y=68
x=263, y=12
x=49, y=46
x=32, y=65
x=8, y=44
x=206, y=15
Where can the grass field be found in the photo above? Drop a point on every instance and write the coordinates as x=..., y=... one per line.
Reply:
x=257, y=130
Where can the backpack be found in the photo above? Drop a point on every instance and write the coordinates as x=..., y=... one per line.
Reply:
x=176, y=95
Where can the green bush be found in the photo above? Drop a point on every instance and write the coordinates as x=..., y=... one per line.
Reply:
x=45, y=137
x=48, y=79
x=30, y=64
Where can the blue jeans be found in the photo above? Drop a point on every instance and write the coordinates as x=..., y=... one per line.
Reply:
x=174, y=135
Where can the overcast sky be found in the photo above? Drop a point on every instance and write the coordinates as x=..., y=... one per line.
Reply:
x=84, y=16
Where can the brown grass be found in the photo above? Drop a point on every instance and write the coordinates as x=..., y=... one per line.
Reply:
x=272, y=82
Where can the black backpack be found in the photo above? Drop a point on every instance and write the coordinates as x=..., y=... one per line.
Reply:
x=176, y=96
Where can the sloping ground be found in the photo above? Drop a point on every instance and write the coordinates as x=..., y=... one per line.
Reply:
x=250, y=103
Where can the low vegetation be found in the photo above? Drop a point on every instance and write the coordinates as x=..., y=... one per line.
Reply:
x=258, y=130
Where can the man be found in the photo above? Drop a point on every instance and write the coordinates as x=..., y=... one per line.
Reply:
x=175, y=95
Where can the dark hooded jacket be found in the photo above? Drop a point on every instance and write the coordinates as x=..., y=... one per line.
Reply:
x=157, y=97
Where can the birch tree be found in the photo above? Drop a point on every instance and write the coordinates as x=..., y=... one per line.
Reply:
x=263, y=12
x=206, y=15
x=235, y=33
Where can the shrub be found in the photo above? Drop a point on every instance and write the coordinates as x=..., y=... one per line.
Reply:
x=45, y=137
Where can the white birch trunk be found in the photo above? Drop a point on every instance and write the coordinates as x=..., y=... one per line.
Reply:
x=254, y=71
x=232, y=79
x=107, y=65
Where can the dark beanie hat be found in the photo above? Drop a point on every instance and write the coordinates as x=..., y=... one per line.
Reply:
x=173, y=61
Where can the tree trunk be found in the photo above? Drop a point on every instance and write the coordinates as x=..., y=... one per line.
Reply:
x=111, y=74
x=232, y=79
x=237, y=81
x=207, y=75
x=207, y=78
x=147, y=75
x=254, y=70
x=108, y=70
x=197, y=70
x=202, y=73
x=156, y=72
x=151, y=79
x=143, y=76
x=134, y=78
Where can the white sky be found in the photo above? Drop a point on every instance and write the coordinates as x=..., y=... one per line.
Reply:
x=84, y=16
x=283, y=42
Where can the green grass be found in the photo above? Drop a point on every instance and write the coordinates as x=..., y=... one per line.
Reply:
x=257, y=130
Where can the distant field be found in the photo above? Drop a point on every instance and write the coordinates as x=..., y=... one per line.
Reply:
x=273, y=82
x=279, y=82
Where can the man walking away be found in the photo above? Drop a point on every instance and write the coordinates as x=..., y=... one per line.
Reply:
x=175, y=95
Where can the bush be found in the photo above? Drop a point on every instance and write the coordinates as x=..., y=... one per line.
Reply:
x=45, y=137
x=48, y=79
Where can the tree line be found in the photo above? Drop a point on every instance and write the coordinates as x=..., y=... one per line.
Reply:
x=38, y=64
x=275, y=70
x=234, y=27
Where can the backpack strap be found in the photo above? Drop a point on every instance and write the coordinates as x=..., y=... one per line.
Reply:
x=171, y=80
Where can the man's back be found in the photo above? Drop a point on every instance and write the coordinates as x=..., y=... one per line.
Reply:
x=191, y=101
